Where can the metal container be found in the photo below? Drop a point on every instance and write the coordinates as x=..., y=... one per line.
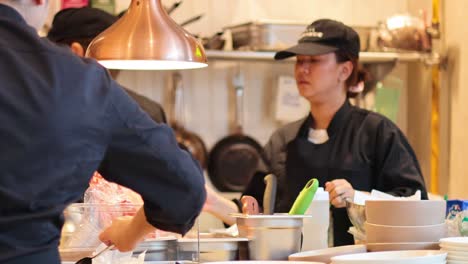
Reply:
x=159, y=249
x=272, y=35
x=366, y=37
x=265, y=35
x=357, y=215
x=271, y=237
x=211, y=249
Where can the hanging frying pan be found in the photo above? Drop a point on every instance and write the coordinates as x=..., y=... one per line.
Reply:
x=187, y=139
x=234, y=159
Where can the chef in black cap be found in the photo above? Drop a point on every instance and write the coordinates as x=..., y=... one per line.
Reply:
x=77, y=27
x=348, y=149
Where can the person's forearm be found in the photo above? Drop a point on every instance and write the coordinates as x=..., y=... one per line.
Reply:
x=139, y=227
x=222, y=209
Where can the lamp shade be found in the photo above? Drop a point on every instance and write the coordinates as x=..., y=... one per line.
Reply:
x=146, y=38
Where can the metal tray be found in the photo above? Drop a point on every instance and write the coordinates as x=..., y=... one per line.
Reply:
x=274, y=35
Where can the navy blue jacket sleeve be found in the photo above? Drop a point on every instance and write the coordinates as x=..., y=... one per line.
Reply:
x=144, y=156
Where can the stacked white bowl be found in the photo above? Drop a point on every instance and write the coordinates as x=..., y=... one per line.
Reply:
x=456, y=248
x=404, y=224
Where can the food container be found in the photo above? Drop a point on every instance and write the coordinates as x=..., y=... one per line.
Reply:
x=84, y=222
x=211, y=249
x=274, y=35
x=271, y=237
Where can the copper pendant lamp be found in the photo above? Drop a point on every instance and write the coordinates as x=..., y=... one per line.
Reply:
x=146, y=38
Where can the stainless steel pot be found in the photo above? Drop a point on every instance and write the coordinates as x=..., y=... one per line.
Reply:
x=160, y=249
x=271, y=237
x=211, y=249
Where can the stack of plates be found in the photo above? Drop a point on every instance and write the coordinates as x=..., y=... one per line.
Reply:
x=394, y=257
x=456, y=248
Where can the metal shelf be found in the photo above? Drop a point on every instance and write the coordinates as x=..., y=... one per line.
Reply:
x=267, y=56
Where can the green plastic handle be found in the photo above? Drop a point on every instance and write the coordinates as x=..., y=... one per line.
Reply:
x=304, y=198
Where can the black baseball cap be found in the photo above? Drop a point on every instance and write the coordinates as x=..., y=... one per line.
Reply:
x=74, y=23
x=324, y=36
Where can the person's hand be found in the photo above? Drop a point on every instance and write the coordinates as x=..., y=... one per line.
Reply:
x=219, y=206
x=339, y=191
x=118, y=234
x=127, y=231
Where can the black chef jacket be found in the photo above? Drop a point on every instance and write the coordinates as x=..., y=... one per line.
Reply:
x=364, y=147
x=61, y=118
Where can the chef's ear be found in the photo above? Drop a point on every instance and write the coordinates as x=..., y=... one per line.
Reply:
x=346, y=70
x=77, y=49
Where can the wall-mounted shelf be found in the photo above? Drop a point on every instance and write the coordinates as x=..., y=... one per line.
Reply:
x=365, y=57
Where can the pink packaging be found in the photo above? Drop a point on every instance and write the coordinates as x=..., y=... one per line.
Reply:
x=73, y=3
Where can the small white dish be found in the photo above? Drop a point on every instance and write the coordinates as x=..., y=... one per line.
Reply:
x=453, y=248
x=393, y=257
x=457, y=253
x=450, y=257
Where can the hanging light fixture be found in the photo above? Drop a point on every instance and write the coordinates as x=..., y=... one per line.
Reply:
x=146, y=38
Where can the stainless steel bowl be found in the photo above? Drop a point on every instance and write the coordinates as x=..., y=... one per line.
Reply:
x=357, y=215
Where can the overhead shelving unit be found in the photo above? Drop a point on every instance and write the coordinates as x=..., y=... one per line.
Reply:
x=365, y=57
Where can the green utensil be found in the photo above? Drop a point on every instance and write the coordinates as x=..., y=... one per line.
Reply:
x=304, y=198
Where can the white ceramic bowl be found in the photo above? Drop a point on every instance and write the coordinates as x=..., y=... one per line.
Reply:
x=405, y=213
x=393, y=257
x=324, y=255
x=403, y=234
x=374, y=247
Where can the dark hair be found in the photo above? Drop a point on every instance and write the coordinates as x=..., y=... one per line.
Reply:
x=357, y=75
